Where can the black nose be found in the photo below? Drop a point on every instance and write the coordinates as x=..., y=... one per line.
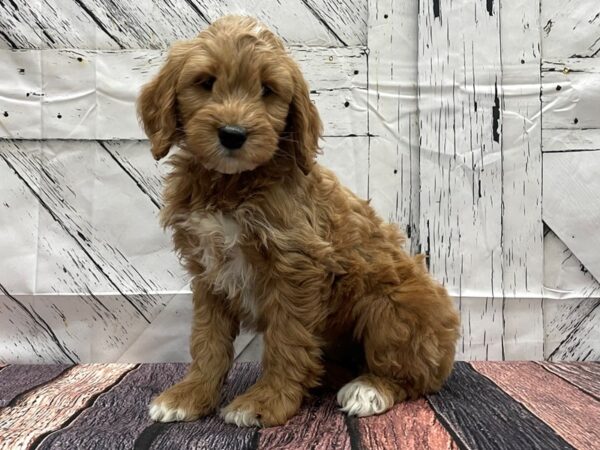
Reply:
x=232, y=136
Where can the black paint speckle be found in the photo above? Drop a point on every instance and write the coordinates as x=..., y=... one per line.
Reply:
x=346, y=104
x=558, y=87
x=356, y=72
x=576, y=120
x=490, y=7
x=5, y=114
x=522, y=61
x=79, y=58
x=496, y=114
x=395, y=170
x=436, y=8
x=59, y=115
x=385, y=16
x=475, y=105
x=28, y=94
x=21, y=71
x=82, y=236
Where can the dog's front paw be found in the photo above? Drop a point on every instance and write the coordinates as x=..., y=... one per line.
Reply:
x=184, y=401
x=260, y=408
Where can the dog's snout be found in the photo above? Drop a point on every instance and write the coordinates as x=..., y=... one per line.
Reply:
x=232, y=136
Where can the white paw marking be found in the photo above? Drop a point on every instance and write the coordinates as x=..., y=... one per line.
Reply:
x=240, y=417
x=361, y=399
x=159, y=412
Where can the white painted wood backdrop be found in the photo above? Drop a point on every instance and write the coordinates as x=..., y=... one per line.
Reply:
x=470, y=123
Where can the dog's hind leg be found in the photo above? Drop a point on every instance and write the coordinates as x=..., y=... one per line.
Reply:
x=409, y=348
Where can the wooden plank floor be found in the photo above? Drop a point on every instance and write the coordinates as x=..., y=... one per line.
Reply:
x=501, y=405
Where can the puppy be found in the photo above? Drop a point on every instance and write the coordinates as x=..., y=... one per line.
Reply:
x=274, y=242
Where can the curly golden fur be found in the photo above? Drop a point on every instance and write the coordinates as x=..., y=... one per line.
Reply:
x=274, y=242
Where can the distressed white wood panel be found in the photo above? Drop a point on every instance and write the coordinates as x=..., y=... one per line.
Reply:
x=572, y=203
x=69, y=102
x=393, y=120
x=146, y=173
x=570, y=93
x=19, y=216
x=564, y=275
x=348, y=157
x=300, y=21
x=73, y=183
x=89, y=24
x=570, y=28
x=50, y=23
x=21, y=94
x=500, y=329
x=346, y=19
x=571, y=330
x=522, y=242
x=567, y=140
x=523, y=336
x=67, y=328
x=167, y=338
x=460, y=92
x=91, y=95
x=26, y=337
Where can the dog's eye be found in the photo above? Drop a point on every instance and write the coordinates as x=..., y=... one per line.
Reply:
x=206, y=83
x=266, y=90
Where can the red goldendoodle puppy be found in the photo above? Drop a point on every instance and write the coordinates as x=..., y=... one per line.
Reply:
x=274, y=242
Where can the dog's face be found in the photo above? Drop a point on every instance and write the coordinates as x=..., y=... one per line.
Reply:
x=234, y=98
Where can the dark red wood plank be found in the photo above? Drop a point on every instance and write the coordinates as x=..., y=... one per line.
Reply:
x=573, y=414
x=584, y=375
x=480, y=415
x=408, y=425
x=119, y=415
x=319, y=425
x=212, y=432
x=17, y=379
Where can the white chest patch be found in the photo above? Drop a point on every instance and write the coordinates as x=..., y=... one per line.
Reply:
x=219, y=252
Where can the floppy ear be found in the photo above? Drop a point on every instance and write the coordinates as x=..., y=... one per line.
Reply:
x=157, y=103
x=304, y=127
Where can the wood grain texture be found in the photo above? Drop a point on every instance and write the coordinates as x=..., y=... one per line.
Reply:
x=90, y=24
x=212, y=432
x=26, y=420
x=570, y=90
x=37, y=327
x=585, y=376
x=564, y=275
x=460, y=116
x=550, y=398
x=570, y=28
x=319, y=27
x=521, y=241
x=319, y=425
x=500, y=329
x=67, y=179
x=572, y=203
x=408, y=425
x=117, y=417
x=571, y=329
x=91, y=94
x=480, y=415
x=17, y=379
x=393, y=119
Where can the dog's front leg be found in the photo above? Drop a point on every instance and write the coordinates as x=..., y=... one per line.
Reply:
x=211, y=345
x=291, y=366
